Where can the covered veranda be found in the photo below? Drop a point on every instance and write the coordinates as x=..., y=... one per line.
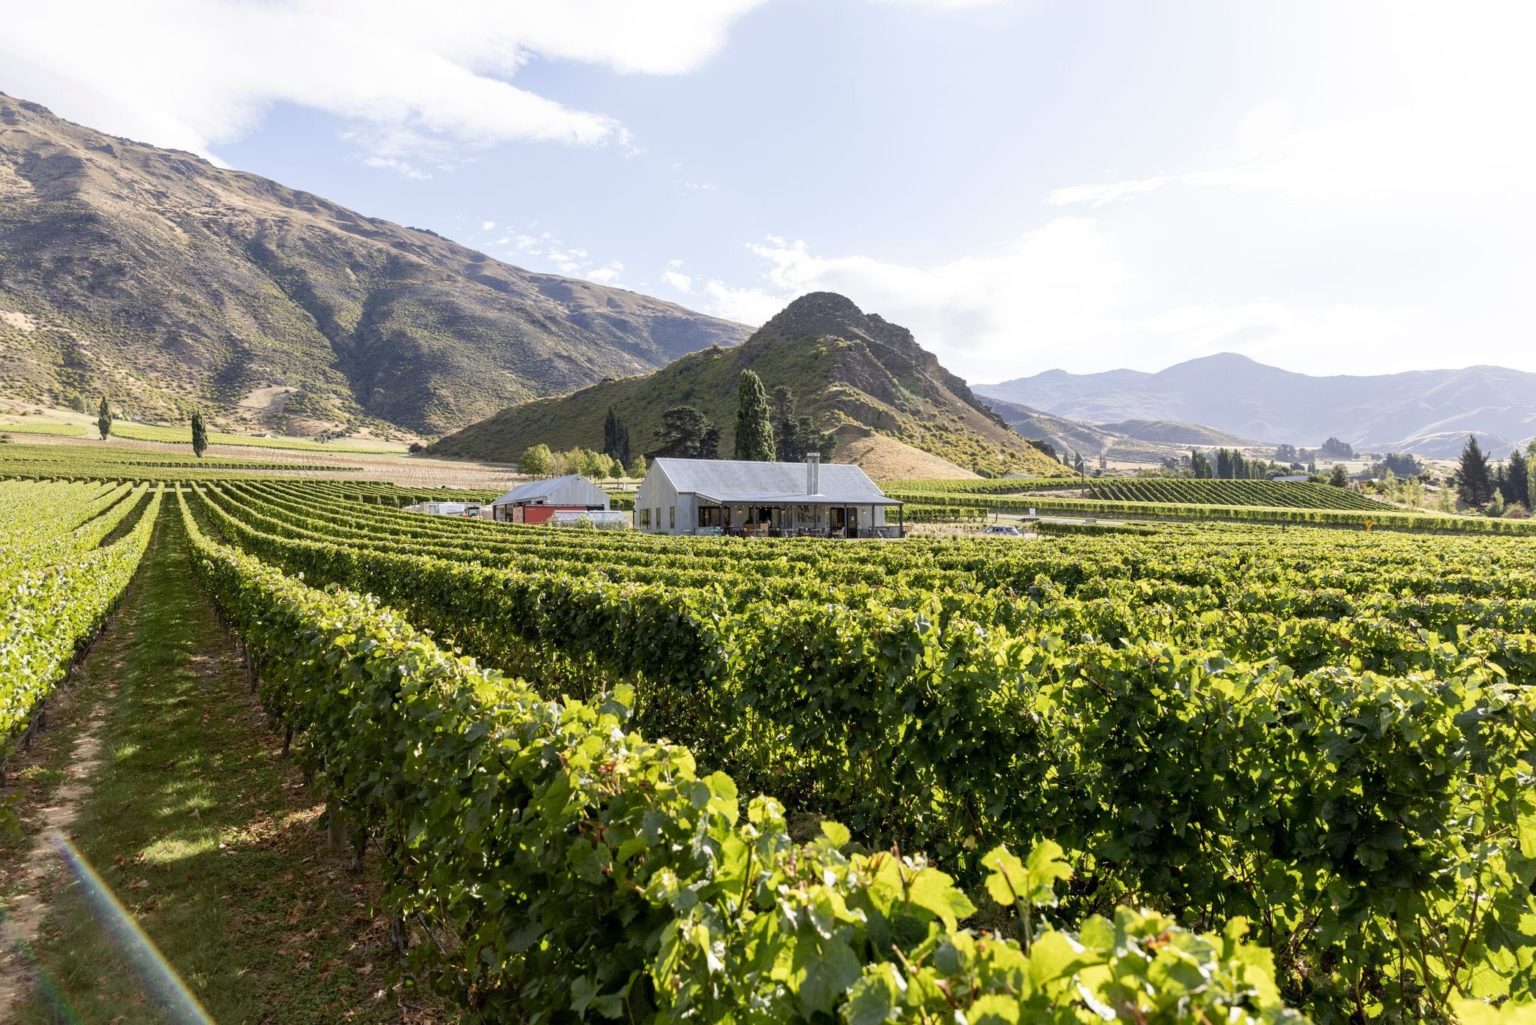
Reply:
x=800, y=515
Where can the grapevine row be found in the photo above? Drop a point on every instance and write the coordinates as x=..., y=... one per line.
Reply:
x=563, y=866
x=969, y=734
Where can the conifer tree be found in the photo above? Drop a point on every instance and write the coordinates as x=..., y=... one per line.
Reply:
x=754, y=424
x=1517, y=477
x=1474, y=484
x=615, y=437
x=686, y=434
x=199, y=435
x=1530, y=471
x=104, y=418
x=785, y=442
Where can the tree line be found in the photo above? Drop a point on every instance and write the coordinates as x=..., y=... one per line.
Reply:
x=105, y=420
x=768, y=428
x=1497, y=489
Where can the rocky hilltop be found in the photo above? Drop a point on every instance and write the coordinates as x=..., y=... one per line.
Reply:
x=165, y=282
x=891, y=405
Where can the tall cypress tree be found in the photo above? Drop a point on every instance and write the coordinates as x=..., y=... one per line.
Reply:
x=754, y=425
x=104, y=418
x=1530, y=472
x=611, y=433
x=1518, y=477
x=786, y=445
x=1474, y=484
x=199, y=435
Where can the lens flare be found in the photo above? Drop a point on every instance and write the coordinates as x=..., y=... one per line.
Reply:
x=160, y=980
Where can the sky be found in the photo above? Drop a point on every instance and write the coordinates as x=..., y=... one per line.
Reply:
x=1027, y=184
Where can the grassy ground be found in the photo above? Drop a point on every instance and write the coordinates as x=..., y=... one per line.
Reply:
x=79, y=425
x=209, y=837
x=87, y=457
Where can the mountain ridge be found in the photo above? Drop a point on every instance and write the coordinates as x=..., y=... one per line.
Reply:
x=169, y=284
x=1428, y=412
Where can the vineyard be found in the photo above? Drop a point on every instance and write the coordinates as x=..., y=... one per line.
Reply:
x=1165, y=490
x=66, y=553
x=1265, y=493
x=80, y=463
x=665, y=779
x=181, y=435
x=1190, y=500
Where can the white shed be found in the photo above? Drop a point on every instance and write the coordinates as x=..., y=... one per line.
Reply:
x=469, y=509
x=538, y=500
x=735, y=496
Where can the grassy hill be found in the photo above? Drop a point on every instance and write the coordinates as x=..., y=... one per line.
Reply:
x=167, y=283
x=1173, y=432
x=858, y=375
x=1068, y=436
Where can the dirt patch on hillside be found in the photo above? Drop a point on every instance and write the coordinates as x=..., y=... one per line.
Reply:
x=885, y=458
x=18, y=321
x=272, y=399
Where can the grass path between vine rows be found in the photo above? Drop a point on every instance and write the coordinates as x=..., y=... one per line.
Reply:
x=161, y=771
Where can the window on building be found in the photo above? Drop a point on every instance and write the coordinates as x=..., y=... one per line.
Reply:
x=672, y=518
x=711, y=516
x=645, y=517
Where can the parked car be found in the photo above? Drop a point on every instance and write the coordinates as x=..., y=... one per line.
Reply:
x=1001, y=530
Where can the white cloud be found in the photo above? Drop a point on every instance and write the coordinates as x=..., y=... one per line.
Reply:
x=746, y=305
x=673, y=275
x=1380, y=155
x=1107, y=192
x=1329, y=339
x=607, y=274
x=487, y=225
x=542, y=251
x=979, y=313
x=944, y=5
x=403, y=168
x=196, y=73
x=1054, y=297
x=1425, y=106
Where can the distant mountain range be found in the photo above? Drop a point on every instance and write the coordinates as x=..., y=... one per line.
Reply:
x=1135, y=441
x=167, y=284
x=892, y=407
x=1428, y=412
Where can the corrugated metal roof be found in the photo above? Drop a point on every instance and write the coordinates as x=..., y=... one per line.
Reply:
x=797, y=498
x=536, y=489
x=774, y=483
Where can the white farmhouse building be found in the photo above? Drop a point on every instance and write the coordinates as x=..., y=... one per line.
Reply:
x=735, y=496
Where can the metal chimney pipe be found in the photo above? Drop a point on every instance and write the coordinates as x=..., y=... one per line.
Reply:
x=813, y=473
